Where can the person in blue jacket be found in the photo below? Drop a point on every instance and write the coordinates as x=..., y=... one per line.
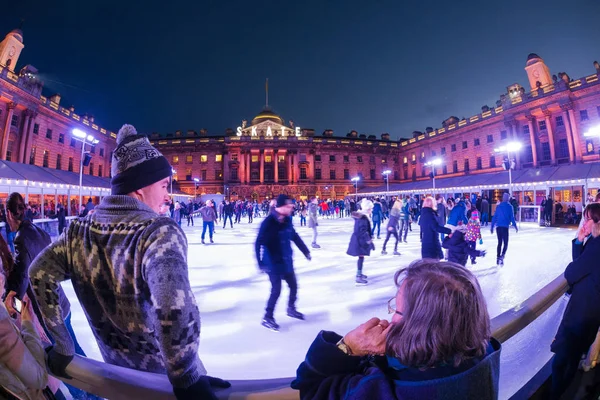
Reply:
x=581, y=319
x=430, y=229
x=458, y=212
x=421, y=354
x=503, y=218
x=376, y=217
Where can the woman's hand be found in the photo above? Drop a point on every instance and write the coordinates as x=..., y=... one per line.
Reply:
x=27, y=310
x=368, y=338
x=582, y=233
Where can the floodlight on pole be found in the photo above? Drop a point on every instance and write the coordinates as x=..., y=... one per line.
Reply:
x=593, y=132
x=355, y=181
x=84, y=138
x=173, y=172
x=387, y=173
x=196, y=180
x=433, y=163
x=511, y=147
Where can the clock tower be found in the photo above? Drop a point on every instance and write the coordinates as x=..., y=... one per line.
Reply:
x=537, y=71
x=10, y=49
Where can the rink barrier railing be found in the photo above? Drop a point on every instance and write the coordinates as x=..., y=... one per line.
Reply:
x=117, y=383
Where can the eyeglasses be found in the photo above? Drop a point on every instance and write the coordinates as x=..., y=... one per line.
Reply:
x=392, y=306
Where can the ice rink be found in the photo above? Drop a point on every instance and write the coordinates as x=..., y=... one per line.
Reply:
x=232, y=293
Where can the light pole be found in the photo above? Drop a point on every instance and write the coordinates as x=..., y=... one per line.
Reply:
x=196, y=180
x=387, y=173
x=433, y=163
x=508, y=164
x=173, y=172
x=84, y=138
x=355, y=180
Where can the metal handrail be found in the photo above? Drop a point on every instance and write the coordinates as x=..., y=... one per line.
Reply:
x=117, y=383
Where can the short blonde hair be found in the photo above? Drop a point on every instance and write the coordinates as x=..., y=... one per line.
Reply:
x=430, y=202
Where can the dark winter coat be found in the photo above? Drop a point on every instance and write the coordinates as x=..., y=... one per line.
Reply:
x=581, y=319
x=485, y=206
x=329, y=374
x=228, y=209
x=430, y=241
x=377, y=215
x=273, y=245
x=361, y=240
x=442, y=214
x=458, y=248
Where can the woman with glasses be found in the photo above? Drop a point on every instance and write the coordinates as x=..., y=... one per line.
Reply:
x=437, y=345
x=581, y=319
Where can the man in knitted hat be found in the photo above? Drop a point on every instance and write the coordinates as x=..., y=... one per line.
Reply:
x=129, y=270
x=274, y=254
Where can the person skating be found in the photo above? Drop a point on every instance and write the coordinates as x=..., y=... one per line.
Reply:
x=228, y=212
x=430, y=229
x=473, y=233
x=361, y=241
x=485, y=211
x=376, y=218
x=459, y=249
x=208, y=220
x=273, y=249
x=392, y=227
x=190, y=213
x=313, y=210
x=503, y=218
x=404, y=220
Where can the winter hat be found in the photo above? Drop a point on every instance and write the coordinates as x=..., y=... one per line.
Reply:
x=475, y=214
x=282, y=200
x=505, y=197
x=135, y=163
x=366, y=204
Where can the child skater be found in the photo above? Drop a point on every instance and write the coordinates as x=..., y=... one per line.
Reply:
x=473, y=233
x=458, y=248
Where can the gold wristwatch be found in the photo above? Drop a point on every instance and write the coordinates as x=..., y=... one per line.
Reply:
x=344, y=347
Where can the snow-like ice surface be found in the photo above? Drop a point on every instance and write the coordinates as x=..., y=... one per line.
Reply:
x=232, y=293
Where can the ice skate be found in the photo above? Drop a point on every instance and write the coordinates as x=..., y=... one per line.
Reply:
x=360, y=281
x=383, y=252
x=202, y=241
x=397, y=253
x=293, y=313
x=315, y=246
x=363, y=276
x=269, y=323
x=212, y=241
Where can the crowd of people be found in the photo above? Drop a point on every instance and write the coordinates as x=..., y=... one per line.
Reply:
x=138, y=300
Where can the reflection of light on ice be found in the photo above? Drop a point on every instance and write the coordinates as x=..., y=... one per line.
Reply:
x=219, y=300
x=220, y=330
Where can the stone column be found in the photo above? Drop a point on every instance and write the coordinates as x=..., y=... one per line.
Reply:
x=262, y=166
x=5, y=135
x=296, y=168
x=23, y=136
x=565, y=110
x=547, y=115
x=530, y=120
x=575, y=133
x=242, y=169
x=276, y=167
x=226, y=174
x=248, y=166
x=311, y=167
x=289, y=166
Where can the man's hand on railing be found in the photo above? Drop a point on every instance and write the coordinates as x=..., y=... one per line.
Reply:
x=203, y=389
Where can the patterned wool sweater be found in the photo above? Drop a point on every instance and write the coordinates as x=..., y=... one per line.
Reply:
x=128, y=267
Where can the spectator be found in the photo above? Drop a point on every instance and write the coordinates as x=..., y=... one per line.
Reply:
x=422, y=354
x=190, y=212
x=61, y=216
x=485, y=211
x=10, y=235
x=137, y=298
x=581, y=319
x=177, y=213
x=430, y=229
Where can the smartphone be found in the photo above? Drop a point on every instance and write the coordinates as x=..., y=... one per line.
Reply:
x=18, y=305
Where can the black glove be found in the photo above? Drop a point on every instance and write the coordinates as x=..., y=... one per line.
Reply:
x=57, y=363
x=372, y=246
x=202, y=389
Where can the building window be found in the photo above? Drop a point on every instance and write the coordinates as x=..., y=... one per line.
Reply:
x=346, y=159
x=583, y=115
x=563, y=148
x=503, y=135
x=303, y=173
x=91, y=170
x=254, y=175
x=70, y=164
x=372, y=174
x=36, y=128
x=422, y=155
x=203, y=175
x=46, y=158
x=32, y=156
x=268, y=158
x=189, y=160
x=545, y=151
x=466, y=164
x=453, y=148
x=188, y=174
x=218, y=174
x=384, y=160
x=281, y=158
x=476, y=142
x=218, y=158
x=61, y=138
x=492, y=161
x=479, y=163
x=589, y=146
x=317, y=157
x=234, y=157
x=93, y=149
x=396, y=175
x=443, y=151
x=175, y=160
x=413, y=158
x=59, y=161
x=332, y=174
x=346, y=174
x=490, y=138
x=203, y=158
x=49, y=134
x=526, y=129
x=528, y=154
x=559, y=121
x=455, y=166
x=254, y=157
x=102, y=152
x=465, y=145
x=372, y=159
x=444, y=169
x=72, y=142
x=15, y=120
x=100, y=170
x=282, y=173
x=8, y=155
x=233, y=174
x=405, y=173
x=317, y=173
x=359, y=159
x=331, y=158
x=302, y=157
x=542, y=125
x=433, y=153
x=405, y=160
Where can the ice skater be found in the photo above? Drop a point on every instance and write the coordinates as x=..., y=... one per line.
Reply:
x=274, y=254
x=503, y=218
x=313, y=208
x=473, y=233
x=459, y=250
x=361, y=241
x=392, y=227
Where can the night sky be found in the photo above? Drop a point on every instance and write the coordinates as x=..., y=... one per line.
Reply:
x=372, y=66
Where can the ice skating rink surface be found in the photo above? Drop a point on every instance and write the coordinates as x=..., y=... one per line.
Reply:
x=231, y=292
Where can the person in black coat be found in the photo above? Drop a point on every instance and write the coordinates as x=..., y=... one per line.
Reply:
x=274, y=254
x=61, y=216
x=430, y=240
x=361, y=241
x=228, y=212
x=459, y=250
x=581, y=319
